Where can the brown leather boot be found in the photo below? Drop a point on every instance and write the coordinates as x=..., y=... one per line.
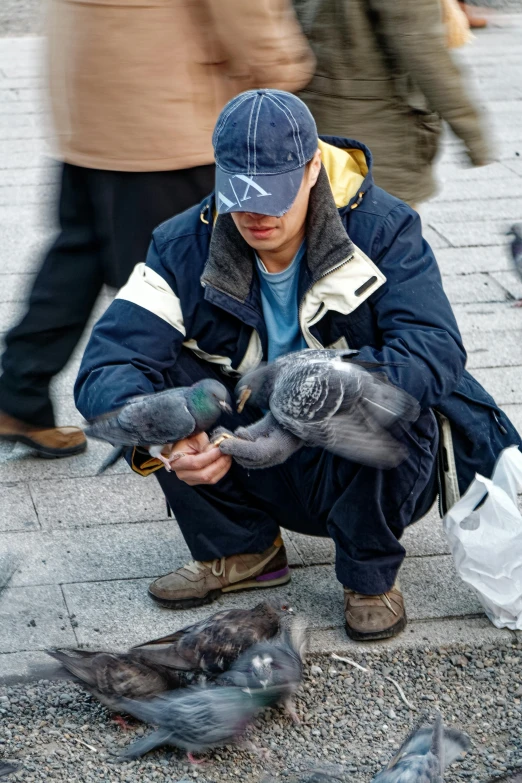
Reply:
x=374, y=616
x=52, y=442
x=201, y=582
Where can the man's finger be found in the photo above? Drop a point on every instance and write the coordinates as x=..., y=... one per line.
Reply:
x=197, y=461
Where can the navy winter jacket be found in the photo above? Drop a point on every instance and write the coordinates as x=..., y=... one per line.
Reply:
x=370, y=282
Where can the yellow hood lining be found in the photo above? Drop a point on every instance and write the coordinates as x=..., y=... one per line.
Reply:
x=346, y=169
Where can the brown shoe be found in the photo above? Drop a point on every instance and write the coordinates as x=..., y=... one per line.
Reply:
x=201, y=582
x=374, y=616
x=53, y=442
x=475, y=22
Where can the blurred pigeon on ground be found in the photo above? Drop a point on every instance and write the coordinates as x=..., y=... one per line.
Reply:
x=195, y=719
x=516, y=252
x=7, y=769
x=323, y=398
x=425, y=754
x=110, y=676
x=276, y=665
x=157, y=420
x=213, y=644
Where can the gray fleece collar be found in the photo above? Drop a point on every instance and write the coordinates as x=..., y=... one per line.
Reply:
x=230, y=264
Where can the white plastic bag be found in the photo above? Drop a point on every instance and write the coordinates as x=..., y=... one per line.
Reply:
x=486, y=543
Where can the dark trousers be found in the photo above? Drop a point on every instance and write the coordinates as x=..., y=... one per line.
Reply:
x=106, y=220
x=363, y=510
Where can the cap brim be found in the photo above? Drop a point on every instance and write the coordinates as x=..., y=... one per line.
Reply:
x=264, y=194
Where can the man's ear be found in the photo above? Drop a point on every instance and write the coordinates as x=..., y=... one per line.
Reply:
x=314, y=168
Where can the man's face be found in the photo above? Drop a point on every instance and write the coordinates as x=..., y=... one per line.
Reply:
x=267, y=233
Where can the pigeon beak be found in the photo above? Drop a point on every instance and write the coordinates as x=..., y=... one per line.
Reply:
x=243, y=397
x=225, y=406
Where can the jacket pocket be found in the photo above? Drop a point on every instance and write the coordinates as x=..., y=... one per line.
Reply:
x=428, y=134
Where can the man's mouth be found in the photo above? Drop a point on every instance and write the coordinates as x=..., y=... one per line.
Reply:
x=261, y=232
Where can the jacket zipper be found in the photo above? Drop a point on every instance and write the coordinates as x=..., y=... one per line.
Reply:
x=325, y=274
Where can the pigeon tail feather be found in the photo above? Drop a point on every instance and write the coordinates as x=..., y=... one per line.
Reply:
x=143, y=745
x=113, y=457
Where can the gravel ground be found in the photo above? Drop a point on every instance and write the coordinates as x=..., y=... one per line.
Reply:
x=349, y=718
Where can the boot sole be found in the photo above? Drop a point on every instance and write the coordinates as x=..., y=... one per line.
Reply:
x=213, y=595
x=46, y=452
x=370, y=636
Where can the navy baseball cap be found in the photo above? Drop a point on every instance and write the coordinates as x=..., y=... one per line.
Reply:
x=263, y=140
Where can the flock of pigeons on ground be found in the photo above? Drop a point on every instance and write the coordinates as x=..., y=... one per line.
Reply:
x=202, y=686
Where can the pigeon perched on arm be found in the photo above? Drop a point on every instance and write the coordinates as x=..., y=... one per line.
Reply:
x=323, y=398
x=195, y=719
x=157, y=420
x=425, y=754
x=516, y=252
x=213, y=644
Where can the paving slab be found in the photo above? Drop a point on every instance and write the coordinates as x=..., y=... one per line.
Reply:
x=487, y=209
x=468, y=260
x=510, y=281
x=136, y=551
x=17, y=511
x=19, y=463
x=34, y=618
x=100, y=500
x=487, y=317
x=478, y=233
x=15, y=287
x=493, y=349
x=418, y=633
x=104, y=609
x=478, y=287
x=504, y=383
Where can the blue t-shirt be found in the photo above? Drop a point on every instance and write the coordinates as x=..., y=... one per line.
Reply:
x=280, y=306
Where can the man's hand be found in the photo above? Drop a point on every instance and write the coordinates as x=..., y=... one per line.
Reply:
x=202, y=462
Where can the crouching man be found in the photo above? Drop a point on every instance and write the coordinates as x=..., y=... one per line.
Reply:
x=296, y=248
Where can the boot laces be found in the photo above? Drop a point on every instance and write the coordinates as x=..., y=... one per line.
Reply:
x=217, y=566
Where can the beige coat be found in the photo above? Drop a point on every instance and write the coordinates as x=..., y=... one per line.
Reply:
x=136, y=85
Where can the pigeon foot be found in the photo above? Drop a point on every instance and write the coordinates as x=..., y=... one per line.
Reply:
x=194, y=760
x=122, y=723
x=518, y=303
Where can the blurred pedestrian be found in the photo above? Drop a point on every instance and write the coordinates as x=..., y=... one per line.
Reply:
x=135, y=89
x=385, y=76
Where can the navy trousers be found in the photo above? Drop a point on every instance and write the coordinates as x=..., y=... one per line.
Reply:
x=363, y=510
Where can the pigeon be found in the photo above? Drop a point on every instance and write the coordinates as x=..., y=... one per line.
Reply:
x=325, y=398
x=109, y=676
x=212, y=645
x=276, y=665
x=425, y=754
x=208, y=647
x=7, y=769
x=196, y=718
x=156, y=420
x=516, y=252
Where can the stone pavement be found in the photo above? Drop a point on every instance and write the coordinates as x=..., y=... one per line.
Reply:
x=88, y=546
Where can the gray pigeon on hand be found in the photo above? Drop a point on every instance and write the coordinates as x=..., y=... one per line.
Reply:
x=516, y=252
x=323, y=398
x=425, y=754
x=195, y=719
x=156, y=420
x=212, y=645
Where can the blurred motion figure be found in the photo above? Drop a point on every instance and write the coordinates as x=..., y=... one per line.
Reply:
x=385, y=76
x=136, y=88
